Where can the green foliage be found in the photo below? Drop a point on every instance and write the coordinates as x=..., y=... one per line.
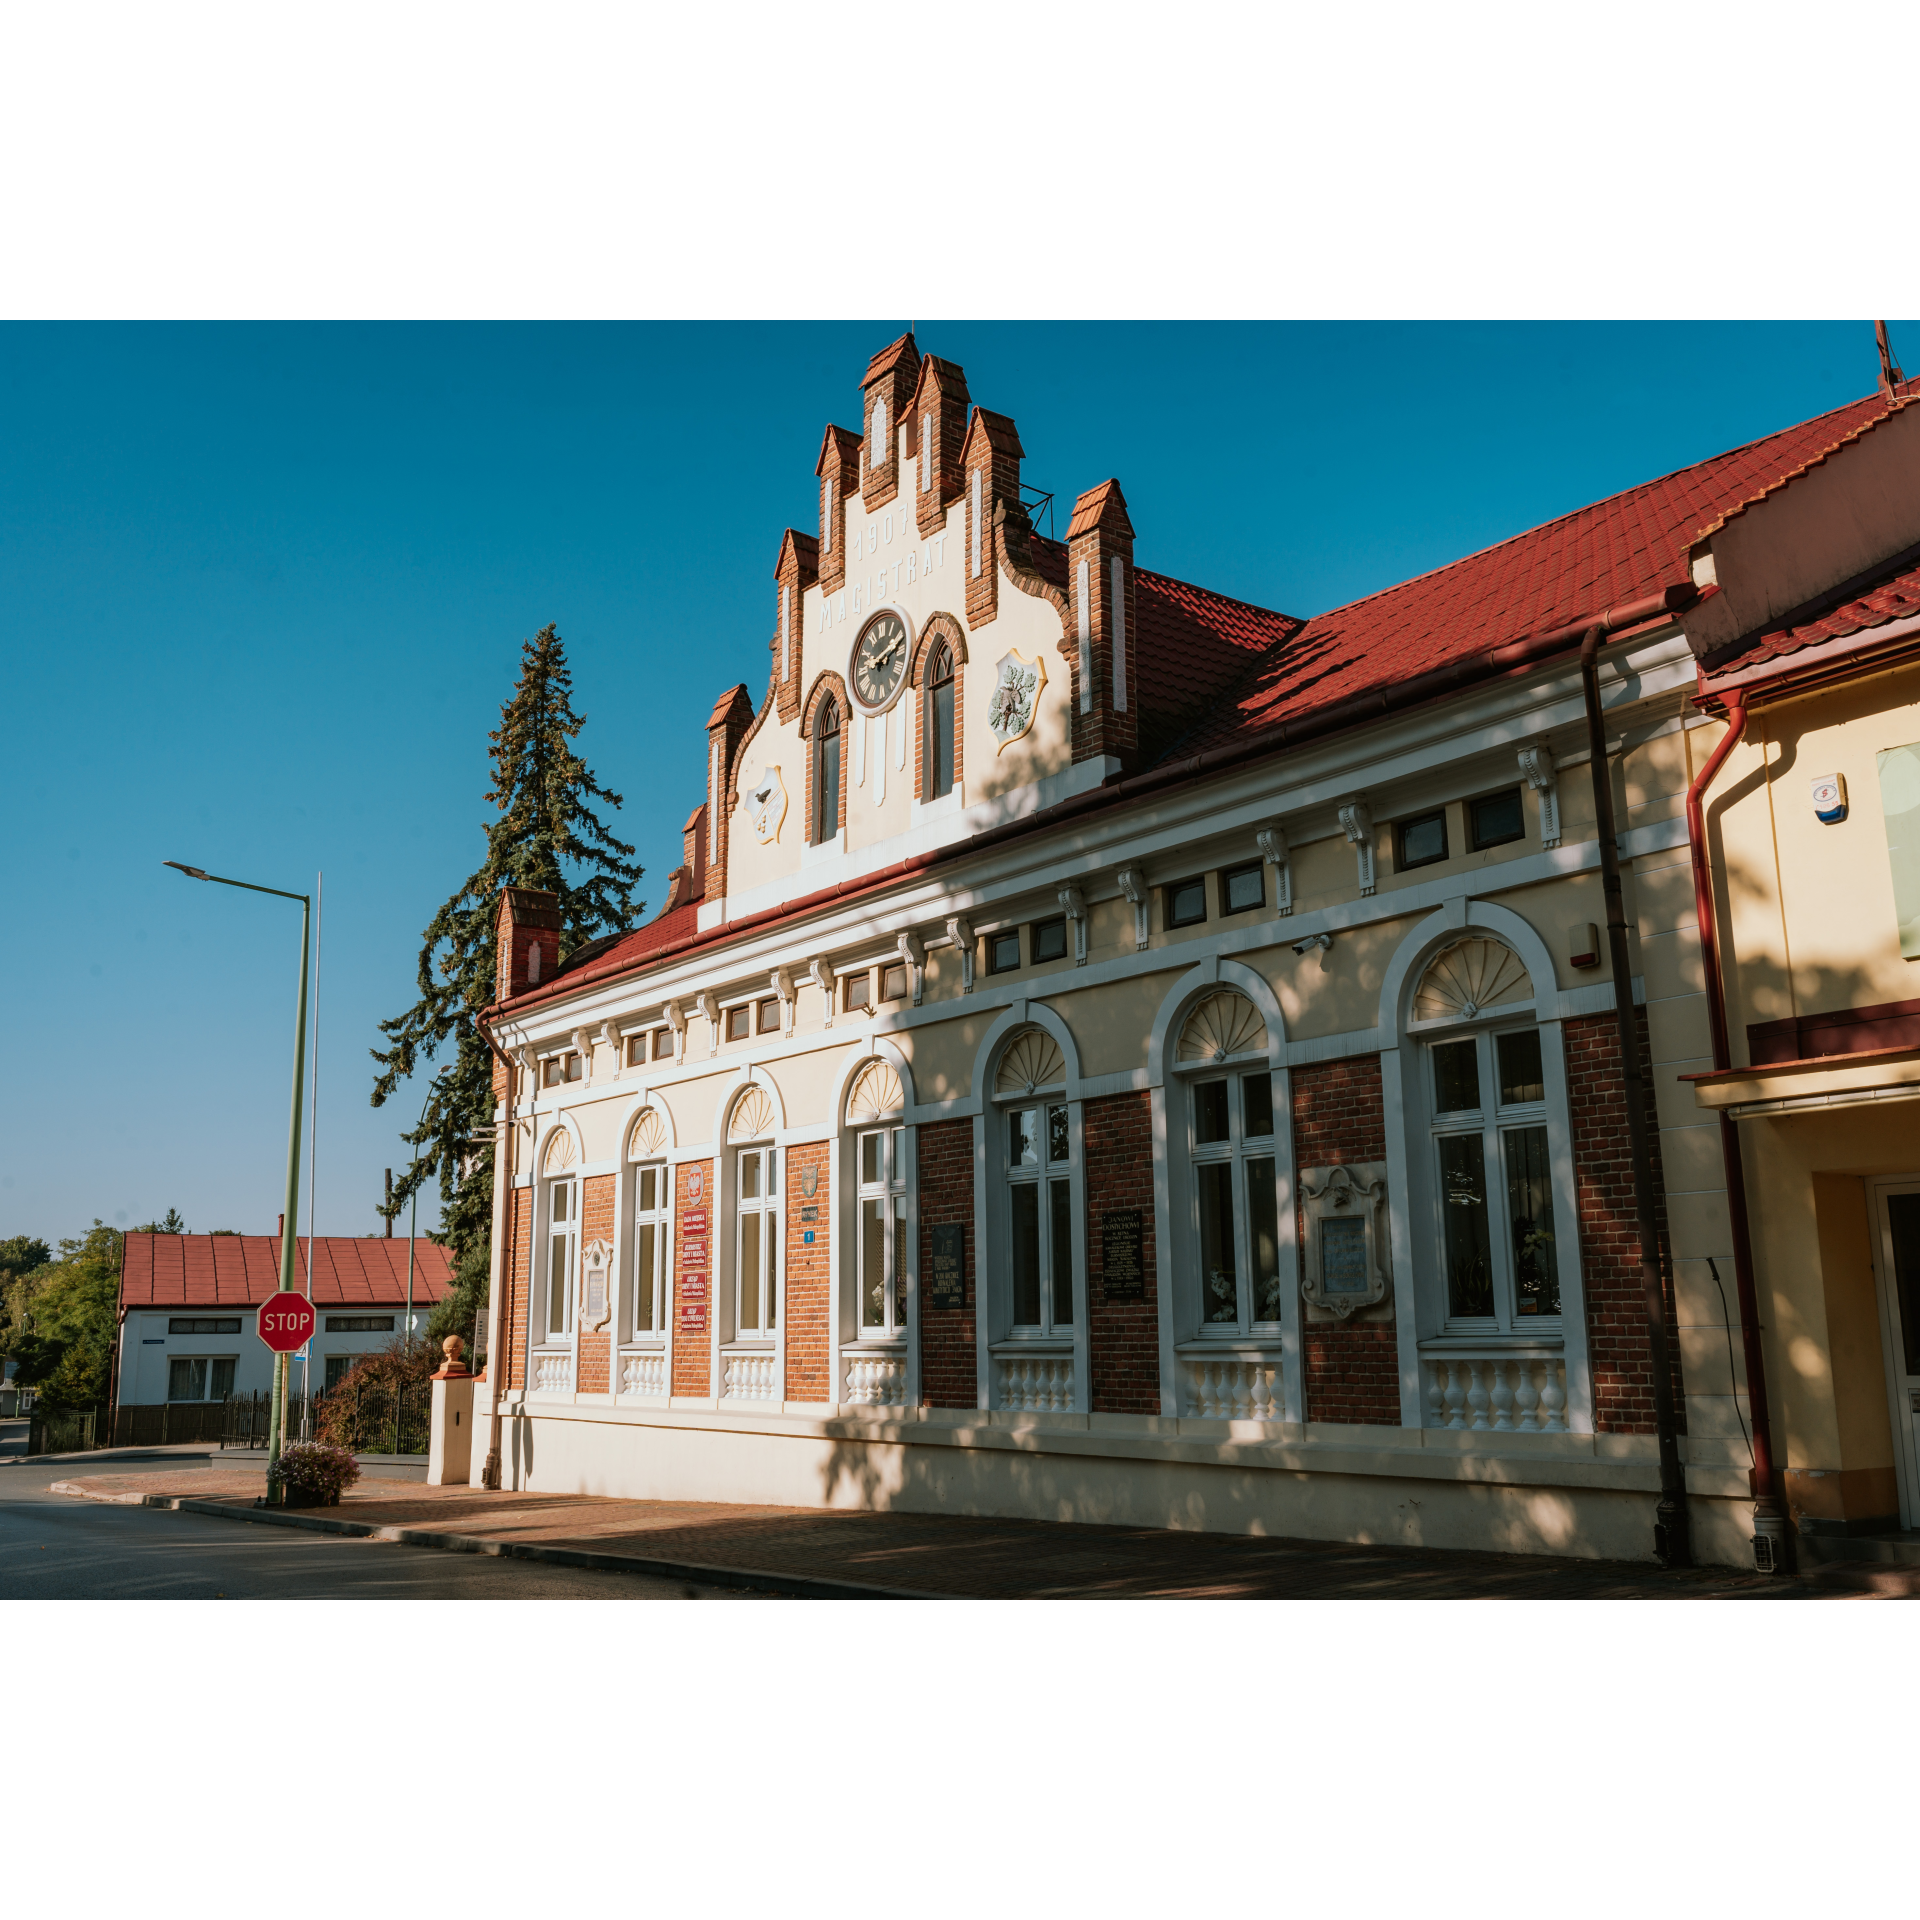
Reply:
x=546, y=830
x=358, y=1413
x=171, y=1224
x=60, y=1321
x=460, y=1311
x=313, y=1473
x=21, y=1255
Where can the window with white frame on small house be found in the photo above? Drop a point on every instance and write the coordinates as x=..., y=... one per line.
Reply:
x=875, y=1102
x=1490, y=1143
x=197, y=1377
x=1233, y=1224
x=1037, y=1166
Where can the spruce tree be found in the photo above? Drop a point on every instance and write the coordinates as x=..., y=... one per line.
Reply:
x=546, y=832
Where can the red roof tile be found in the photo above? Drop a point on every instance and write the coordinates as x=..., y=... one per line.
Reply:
x=240, y=1270
x=679, y=923
x=1617, y=550
x=1894, y=596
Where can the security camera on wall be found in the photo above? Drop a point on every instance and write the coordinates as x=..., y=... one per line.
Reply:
x=1321, y=940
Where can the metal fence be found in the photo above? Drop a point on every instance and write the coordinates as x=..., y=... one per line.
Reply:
x=62, y=1432
x=365, y=1419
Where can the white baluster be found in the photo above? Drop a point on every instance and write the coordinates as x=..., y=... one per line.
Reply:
x=1456, y=1394
x=1553, y=1398
x=1436, y=1393
x=1477, y=1396
x=1526, y=1397
x=1502, y=1399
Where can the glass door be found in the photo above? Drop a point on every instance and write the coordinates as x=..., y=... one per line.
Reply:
x=1897, y=1210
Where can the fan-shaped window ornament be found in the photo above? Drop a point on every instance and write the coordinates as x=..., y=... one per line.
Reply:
x=1033, y=1061
x=752, y=1115
x=648, y=1138
x=559, y=1155
x=1472, y=976
x=1222, y=1025
x=877, y=1095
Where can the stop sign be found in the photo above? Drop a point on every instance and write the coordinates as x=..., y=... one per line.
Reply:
x=286, y=1322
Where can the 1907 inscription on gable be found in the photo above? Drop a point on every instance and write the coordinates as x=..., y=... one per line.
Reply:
x=949, y=1266
x=1123, y=1276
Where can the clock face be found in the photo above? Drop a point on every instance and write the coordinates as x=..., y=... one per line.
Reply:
x=880, y=659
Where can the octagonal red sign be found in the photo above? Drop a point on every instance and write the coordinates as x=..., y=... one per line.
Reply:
x=286, y=1322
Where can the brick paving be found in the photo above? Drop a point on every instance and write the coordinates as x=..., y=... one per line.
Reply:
x=964, y=1557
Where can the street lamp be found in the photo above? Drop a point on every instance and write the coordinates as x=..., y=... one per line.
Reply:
x=290, y=1219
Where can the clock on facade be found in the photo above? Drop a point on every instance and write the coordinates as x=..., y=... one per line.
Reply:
x=879, y=660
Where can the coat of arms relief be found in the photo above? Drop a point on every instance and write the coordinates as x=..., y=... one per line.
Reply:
x=1016, y=697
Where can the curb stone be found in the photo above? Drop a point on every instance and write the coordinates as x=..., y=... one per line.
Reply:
x=750, y=1579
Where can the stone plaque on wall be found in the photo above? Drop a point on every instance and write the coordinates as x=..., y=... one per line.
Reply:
x=1123, y=1274
x=949, y=1277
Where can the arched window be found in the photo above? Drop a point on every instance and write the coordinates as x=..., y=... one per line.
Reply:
x=1038, y=1171
x=937, y=735
x=562, y=1263
x=756, y=1220
x=826, y=770
x=652, y=1222
x=874, y=1109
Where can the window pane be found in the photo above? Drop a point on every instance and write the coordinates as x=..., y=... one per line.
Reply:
x=1245, y=887
x=647, y=1194
x=749, y=1176
x=1456, y=1077
x=573, y=1066
x=1026, y=1254
x=645, y=1261
x=869, y=1159
x=1210, y=1111
x=1060, y=1204
x=751, y=1320
x=942, y=756
x=197, y=1380
x=737, y=1019
x=1219, y=1295
x=1186, y=903
x=663, y=1043
x=1256, y=1096
x=1423, y=839
x=859, y=989
x=893, y=981
x=222, y=1379
x=1497, y=819
x=1903, y=1229
x=1520, y=1076
x=1003, y=952
x=179, y=1379
x=1263, y=1238
x=1056, y=1134
x=1463, y=1195
x=873, y=1263
x=899, y=1263
x=1050, y=940
x=770, y=1016
x=557, y=1284
x=897, y=1166
x=1536, y=1272
x=1023, y=1138
x=560, y=1195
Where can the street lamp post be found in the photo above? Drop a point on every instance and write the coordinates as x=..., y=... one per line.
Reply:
x=290, y=1219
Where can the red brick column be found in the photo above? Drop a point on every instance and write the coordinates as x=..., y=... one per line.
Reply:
x=949, y=1374
x=808, y=1305
x=939, y=404
x=1116, y=1142
x=1617, y=1344
x=1352, y=1366
x=596, y=1223
x=518, y=1270
x=891, y=376
x=693, y=1304
x=993, y=452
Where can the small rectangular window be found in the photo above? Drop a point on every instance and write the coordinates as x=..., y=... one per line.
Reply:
x=1244, y=889
x=1003, y=951
x=1186, y=903
x=893, y=981
x=1049, y=940
x=204, y=1326
x=1257, y=1092
x=1422, y=840
x=663, y=1043
x=740, y=1022
x=550, y=1072
x=636, y=1049
x=770, y=1015
x=856, y=990
x=1496, y=818
x=575, y=1066
x=359, y=1323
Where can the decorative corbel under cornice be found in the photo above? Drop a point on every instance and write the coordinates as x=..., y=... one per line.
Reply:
x=789, y=997
x=677, y=1020
x=709, y=1004
x=1133, y=883
x=960, y=932
x=913, y=950
x=821, y=972
x=1274, y=851
x=1356, y=822
x=1075, y=903
x=1537, y=763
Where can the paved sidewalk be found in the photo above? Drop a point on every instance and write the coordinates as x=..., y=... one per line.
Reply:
x=806, y=1550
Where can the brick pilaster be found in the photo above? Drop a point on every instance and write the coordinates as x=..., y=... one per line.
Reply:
x=938, y=413
x=797, y=568
x=1100, y=592
x=693, y=1280
x=726, y=729
x=838, y=470
x=808, y=1303
x=1123, y=1336
x=947, y=1367
x=990, y=462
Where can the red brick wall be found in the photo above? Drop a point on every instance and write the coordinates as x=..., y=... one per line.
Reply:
x=1609, y=1234
x=1116, y=1139
x=809, y=1295
x=948, y=1365
x=1352, y=1367
x=596, y=1223
x=692, y=1338
x=518, y=1273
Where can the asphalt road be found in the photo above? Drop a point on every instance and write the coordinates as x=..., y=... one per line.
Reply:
x=56, y=1547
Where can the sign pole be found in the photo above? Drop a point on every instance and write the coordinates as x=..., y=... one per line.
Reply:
x=290, y=1219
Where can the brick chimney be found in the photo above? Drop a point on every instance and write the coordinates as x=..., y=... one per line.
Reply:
x=839, y=470
x=1100, y=590
x=990, y=460
x=886, y=390
x=693, y=850
x=797, y=568
x=726, y=728
x=939, y=420
x=527, y=940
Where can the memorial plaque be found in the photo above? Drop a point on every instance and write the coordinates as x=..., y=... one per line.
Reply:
x=809, y=1216
x=949, y=1266
x=693, y=1253
x=693, y=1303
x=1122, y=1274
x=1343, y=1255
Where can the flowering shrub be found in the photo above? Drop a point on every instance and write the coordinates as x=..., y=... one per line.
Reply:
x=312, y=1473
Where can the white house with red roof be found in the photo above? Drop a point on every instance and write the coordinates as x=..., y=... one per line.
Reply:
x=189, y=1304
x=1114, y=1052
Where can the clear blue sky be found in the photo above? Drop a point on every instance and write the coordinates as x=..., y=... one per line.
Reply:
x=263, y=589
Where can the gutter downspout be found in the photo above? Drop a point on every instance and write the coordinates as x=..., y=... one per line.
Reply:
x=496, y=1259
x=1769, y=1516
x=1672, y=1531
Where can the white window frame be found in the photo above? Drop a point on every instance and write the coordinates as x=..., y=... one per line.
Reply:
x=889, y=1189
x=566, y=1229
x=1045, y=1173
x=766, y=1204
x=660, y=1218
x=207, y=1360
x=1238, y=1151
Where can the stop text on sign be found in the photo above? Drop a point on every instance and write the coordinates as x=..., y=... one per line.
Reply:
x=286, y=1322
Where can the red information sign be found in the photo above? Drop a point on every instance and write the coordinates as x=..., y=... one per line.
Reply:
x=286, y=1322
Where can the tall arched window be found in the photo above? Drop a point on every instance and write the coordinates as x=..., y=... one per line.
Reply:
x=874, y=1109
x=826, y=770
x=937, y=735
x=561, y=1266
